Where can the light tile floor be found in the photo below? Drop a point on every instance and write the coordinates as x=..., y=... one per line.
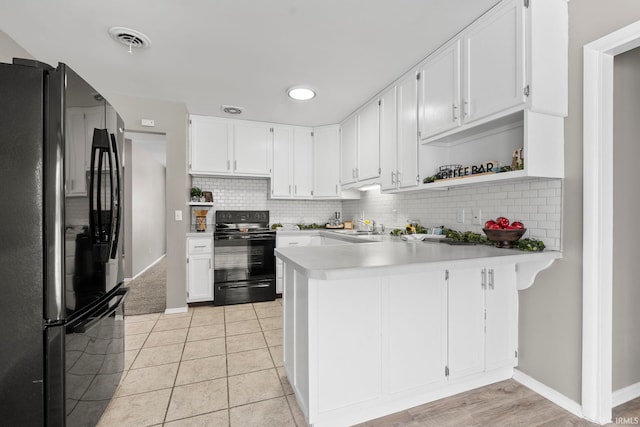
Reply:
x=211, y=366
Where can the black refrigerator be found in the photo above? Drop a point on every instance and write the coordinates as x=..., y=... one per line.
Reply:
x=61, y=276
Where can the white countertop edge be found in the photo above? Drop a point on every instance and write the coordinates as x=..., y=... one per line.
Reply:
x=356, y=271
x=208, y=234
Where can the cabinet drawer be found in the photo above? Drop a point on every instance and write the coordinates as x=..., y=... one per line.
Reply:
x=199, y=245
x=292, y=241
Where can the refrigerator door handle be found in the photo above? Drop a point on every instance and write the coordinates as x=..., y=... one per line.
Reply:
x=84, y=326
x=99, y=147
x=118, y=199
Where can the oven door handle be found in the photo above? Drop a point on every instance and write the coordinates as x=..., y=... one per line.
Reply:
x=245, y=285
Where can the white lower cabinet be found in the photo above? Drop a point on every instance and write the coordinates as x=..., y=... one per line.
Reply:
x=199, y=269
x=410, y=337
x=482, y=319
x=416, y=359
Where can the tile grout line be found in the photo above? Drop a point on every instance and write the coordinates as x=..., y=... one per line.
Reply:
x=166, y=412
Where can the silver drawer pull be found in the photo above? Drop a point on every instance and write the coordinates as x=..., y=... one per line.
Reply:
x=201, y=246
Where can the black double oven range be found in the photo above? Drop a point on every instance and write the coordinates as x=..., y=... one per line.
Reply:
x=244, y=263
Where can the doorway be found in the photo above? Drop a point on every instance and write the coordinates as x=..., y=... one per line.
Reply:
x=145, y=221
x=600, y=211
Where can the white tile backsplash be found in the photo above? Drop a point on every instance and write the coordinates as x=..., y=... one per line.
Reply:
x=537, y=203
x=251, y=194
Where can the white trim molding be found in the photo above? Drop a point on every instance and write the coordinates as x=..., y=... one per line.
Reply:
x=548, y=393
x=597, y=257
x=626, y=394
x=176, y=310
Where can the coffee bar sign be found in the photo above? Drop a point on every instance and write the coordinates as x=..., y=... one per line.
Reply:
x=459, y=171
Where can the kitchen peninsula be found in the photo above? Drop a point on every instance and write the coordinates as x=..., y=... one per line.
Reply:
x=375, y=328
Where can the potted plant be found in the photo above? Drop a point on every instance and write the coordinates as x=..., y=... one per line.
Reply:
x=196, y=193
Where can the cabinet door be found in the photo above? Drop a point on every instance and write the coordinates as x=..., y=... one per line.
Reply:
x=200, y=286
x=252, y=148
x=501, y=304
x=211, y=142
x=369, y=142
x=466, y=322
x=326, y=161
x=282, y=175
x=440, y=87
x=493, y=73
x=75, y=153
x=418, y=302
x=348, y=150
x=388, y=140
x=302, y=162
x=408, y=132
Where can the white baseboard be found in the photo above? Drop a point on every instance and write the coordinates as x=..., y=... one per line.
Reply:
x=148, y=267
x=626, y=394
x=548, y=393
x=176, y=310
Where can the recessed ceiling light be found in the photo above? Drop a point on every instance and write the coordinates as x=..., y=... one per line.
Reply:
x=301, y=93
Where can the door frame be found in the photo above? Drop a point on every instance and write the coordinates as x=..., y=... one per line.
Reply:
x=597, y=258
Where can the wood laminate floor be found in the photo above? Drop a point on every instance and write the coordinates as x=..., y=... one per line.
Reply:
x=507, y=403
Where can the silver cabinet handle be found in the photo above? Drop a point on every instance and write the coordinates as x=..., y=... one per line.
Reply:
x=398, y=178
x=393, y=177
x=357, y=173
x=235, y=165
x=465, y=109
x=209, y=264
x=200, y=246
x=491, y=283
x=293, y=243
x=295, y=189
x=336, y=188
x=454, y=111
x=228, y=164
x=353, y=173
x=483, y=279
x=289, y=189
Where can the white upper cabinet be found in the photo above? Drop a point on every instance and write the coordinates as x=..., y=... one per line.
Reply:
x=440, y=83
x=360, y=146
x=399, y=135
x=292, y=162
x=326, y=161
x=348, y=151
x=230, y=147
x=478, y=75
x=282, y=175
x=302, y=162
x=211, y=145
x=407, y=175
x=368, y=142
x=388, y=139
x=493, y=63
x=252, y=148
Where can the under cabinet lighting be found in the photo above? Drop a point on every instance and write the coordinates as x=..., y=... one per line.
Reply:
x=301, y=93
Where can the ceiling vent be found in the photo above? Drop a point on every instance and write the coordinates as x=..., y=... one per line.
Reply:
x=231, y=110
x=129, y=37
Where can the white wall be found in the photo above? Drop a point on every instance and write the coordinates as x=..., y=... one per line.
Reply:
x=148, y=208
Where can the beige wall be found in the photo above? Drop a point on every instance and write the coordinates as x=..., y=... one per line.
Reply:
x=626, y=233
x=9, y=49
x=551, y=310
x=170, y=118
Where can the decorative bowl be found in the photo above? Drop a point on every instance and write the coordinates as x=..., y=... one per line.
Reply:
x=504, y=238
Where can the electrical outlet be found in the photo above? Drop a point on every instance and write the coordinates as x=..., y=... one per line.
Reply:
x=460, y=216
x=178, y=215
x=477, y=216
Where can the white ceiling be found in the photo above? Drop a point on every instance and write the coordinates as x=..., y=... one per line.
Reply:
x=245, y=53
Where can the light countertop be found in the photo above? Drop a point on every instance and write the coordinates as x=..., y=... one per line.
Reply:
x=396, y=256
